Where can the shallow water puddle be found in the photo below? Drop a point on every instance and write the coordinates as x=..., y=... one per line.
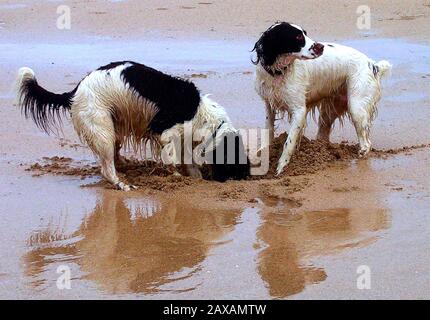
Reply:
x=129, y=245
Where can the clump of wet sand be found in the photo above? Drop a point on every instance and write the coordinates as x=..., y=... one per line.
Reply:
x=136, y=172
x=310, y=157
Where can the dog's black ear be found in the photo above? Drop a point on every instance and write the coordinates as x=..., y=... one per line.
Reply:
x=265, y=50
x=267, y=47
x=230, y=159
x=259, y=51
x=242, y=167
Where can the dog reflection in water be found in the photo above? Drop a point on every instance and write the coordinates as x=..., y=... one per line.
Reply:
x=128, y=245
x=292, y=239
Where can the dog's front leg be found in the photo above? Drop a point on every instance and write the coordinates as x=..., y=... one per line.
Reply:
x=119, y=159
x=270, y=121
x=298, y=121
x=193, y=171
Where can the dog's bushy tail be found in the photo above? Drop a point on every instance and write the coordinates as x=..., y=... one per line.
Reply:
x=383, y=68
x=44, y=107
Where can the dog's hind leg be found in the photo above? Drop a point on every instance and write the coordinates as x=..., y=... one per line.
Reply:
x=362, y=99
x=298, y=122
x=99, y=133
x=330, y=110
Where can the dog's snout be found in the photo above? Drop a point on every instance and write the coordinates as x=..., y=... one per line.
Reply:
x=318, y=48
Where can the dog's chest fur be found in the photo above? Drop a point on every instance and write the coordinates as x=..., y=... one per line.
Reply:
x=294, y=88
x=274, y=89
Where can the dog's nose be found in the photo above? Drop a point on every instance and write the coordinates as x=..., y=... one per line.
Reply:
x=318, y=48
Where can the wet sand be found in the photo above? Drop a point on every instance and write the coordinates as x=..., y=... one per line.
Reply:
x=301, y=236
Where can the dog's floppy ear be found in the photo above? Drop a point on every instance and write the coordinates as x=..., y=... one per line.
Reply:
x=267, y=47
x=230, y=159
x=266, y=53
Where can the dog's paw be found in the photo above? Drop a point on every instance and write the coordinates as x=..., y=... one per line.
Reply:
x=124, y=187
x=280, y=169
x=363, y=152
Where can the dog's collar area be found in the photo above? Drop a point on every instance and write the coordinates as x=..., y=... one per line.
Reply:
x=217, y=129
x=212, y=138
x=274, y=73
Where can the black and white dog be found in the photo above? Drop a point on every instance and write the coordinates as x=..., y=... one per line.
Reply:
x=296, y=75
x=130, y=103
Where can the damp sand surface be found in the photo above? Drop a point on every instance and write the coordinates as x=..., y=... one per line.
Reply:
x=294, y=237
x=300, y=236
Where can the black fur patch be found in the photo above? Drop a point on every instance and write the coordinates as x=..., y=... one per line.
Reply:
x=176, y=99
x=43, y=106
x=228, y=162
x=375, y=70
x=280, y=39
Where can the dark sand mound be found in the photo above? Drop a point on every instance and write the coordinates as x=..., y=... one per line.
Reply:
x=310, y=156
x=139, y=173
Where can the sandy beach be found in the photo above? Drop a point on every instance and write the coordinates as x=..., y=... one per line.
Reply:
x=301, y=236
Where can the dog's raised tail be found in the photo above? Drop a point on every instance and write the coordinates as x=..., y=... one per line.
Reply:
x=383, y=68
x=43, y=106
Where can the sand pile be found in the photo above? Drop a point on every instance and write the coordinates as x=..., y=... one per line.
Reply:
x=310, y=157
x=139, y=173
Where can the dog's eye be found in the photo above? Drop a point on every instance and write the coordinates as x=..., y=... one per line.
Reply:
x=300, y=37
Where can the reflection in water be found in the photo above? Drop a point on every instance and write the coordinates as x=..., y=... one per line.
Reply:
x=133, y=245
x=292, y=239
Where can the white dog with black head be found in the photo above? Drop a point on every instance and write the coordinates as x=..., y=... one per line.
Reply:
x=296, y=75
